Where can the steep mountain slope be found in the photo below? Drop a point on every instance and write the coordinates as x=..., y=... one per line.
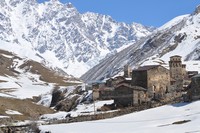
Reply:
x=178, y=37
x=59, y=32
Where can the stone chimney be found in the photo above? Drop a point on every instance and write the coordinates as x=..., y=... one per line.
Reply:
x=127, y=71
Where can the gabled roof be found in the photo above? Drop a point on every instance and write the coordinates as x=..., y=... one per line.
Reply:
x=131, y=87
x=106, y=88
x=144, y=68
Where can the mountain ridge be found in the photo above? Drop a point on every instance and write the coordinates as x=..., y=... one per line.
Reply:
x=180, y=36
x=59, y=30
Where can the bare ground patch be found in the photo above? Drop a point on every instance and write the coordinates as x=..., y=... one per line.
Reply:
x=175, y=123
x=28, y=109
x=181, y=122
x=46, y=74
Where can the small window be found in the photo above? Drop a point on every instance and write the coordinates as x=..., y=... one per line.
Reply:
x=154, y=88
x=167, y=91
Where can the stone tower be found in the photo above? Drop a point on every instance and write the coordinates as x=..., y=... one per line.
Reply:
x=127, y=71
x=177, y=72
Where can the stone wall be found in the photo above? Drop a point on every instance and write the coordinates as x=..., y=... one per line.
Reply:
x=123, y=96
x=139, y=78
x=112, y=114
x=158, y=82
x=16, y=129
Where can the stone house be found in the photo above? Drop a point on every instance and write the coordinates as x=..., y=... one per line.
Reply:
x=127, y=95
x=155, y=78
x=106, y=93
x=111, y=82
x=193, y=90
x=96, y=85
x=95, y=94
x=190, y=74
x=187, y=78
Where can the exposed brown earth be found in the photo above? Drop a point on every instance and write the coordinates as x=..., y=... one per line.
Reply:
x=46, y=74
x=28, y=109
x=6, y=64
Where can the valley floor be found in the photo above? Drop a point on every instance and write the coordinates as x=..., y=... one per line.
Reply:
x=176, y=118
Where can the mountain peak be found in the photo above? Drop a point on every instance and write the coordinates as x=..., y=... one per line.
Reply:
x=66, y=37
x=69, y=5
x=54, y=1
x=197, y=10
x=181, y=33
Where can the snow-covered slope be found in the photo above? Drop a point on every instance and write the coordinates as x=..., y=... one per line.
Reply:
x=179, y=118
x=181, y=36
x=74, y=41
x=22, y=75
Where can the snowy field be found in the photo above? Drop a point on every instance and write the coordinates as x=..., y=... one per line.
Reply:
x=156, y=120
x=81, y=109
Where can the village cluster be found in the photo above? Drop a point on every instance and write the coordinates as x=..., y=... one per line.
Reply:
x=150, y=83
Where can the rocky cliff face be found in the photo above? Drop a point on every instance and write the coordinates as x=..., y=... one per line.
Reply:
x=180, y=36
x=62, y=35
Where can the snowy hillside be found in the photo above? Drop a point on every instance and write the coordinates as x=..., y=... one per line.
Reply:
x=25, y=77
x=62, y=35
x=179, y=118
x=177, y=37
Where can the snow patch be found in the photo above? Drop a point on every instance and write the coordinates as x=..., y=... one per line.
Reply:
x=12, y=112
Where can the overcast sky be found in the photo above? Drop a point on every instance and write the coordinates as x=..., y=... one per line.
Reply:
x=147, y=12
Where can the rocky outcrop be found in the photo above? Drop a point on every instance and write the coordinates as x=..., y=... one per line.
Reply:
x=66, y=99
x=57, y=96
x=197, y=11
x=67, y=104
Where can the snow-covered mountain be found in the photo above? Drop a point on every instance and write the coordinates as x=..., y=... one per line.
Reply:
x=180, y=36
x=59, y=33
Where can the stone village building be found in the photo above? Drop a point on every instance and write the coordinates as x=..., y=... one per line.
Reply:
x=155, y=82
x=193, y=90
x=128, y=95
x=148, y=83
x=154, y=78
x=101, y=91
